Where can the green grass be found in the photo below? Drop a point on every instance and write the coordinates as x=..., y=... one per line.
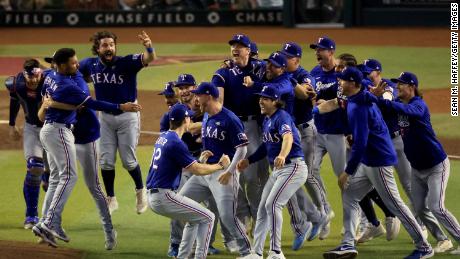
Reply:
x=147, y=235
x=445, y=125
x=430, y=64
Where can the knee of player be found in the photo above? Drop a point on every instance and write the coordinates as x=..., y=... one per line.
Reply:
x=33, y=179
x=35, y=166
x=436, y=208
x=130, y=165
x=271, y=206
x=106, y=166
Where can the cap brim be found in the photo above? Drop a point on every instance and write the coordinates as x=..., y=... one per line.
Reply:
x=266, y=95
x=397, y=80
x=48, y=59
x=289, y=55
x=196, y=92
x=273, y=62
x=231, y=42
x=182, y=84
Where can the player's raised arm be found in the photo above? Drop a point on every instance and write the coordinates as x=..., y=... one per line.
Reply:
x=149, y=54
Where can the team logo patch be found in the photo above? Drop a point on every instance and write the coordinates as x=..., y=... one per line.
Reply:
x=136, y=56
x=242, y=137
x=286, y=127
x=218, y=123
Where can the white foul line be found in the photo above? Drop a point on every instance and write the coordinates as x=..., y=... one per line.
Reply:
x=147, y=132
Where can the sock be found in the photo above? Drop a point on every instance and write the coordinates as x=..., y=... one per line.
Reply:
x=277, y=252
x=108, y=176
x=31, y=191
x=375, y=223
x=137, y=177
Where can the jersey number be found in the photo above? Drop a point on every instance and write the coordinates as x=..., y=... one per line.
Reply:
x=156, y=157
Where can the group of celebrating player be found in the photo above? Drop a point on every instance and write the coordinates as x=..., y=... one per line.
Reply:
x=238, y=149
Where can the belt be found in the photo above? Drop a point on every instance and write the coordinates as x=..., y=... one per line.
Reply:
x=70, y=126
x=395, y=134
x=293, y=160
x=248, y=117
x=157, y=190
x=303, y=125
x=114, y=113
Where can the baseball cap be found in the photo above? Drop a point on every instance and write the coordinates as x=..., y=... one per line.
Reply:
x=240, y=38
x=323, y=43
x=254, y=49
x=269, y=91
x=207, y=88
x=291, y=49
x=168, y=90
x=406, y=78
x=179, y=111
x=278, y=59
x=185, y=79
x=364, y=69
x=351, y=74
x=373, y=65
x=49, y=59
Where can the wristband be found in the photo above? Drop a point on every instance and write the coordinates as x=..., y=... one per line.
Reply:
x=150, y=50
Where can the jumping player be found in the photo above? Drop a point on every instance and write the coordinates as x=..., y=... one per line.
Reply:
x=114, y=79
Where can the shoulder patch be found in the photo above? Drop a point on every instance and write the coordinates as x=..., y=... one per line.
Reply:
x=242, y=137
x=136, y=56
x=10, y=83
x=286, y=127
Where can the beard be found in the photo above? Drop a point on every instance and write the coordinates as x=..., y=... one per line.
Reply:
x=107, y=56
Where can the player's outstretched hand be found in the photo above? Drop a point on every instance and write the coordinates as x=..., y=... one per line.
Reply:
x=130, y=107
x=145, y=39
x=279, y=162
x=343, y=181
x=242, y=165
x=247, y=81
x=14, y=133
x=224, y=160
x=205, y=155
x=225, y=178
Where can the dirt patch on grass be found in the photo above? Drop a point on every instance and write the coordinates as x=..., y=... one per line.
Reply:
x=20, y=250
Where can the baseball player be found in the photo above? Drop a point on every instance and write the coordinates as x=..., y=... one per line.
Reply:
x=429, y=162
x=243, y=103
x=254, y=51
x=170, y=98
x=331, y=127
x=169, y=157
x=114, y=79
x=58, y=140
x=24, y=89
x=282, y=146
x=222, y=132
x=370, y=165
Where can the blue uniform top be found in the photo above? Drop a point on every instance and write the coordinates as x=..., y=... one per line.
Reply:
x=327, y=88
x=29, y=99
x=222, y=133
x=164, y=122
x=390, y=116
x=421, y=146
x=116, y=83
x=170, y=155
x=87, y=128
x=303, y=108
x=239, y=98
x=285, y=88
x=372, y=144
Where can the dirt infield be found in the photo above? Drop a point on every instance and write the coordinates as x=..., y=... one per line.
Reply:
x=25, y=250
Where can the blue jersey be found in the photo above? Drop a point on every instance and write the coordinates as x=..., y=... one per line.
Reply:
x=238, y=98
x=116, y=83
x=274, y=128
x=87, y=128
x=164, y=122
x=327, y=88
x=390, y=116
x=222, y=133
x=63, y=89
x=29, y=99
x=170, y=155
x=303, y=108
x=421, y=146
x=372, y=144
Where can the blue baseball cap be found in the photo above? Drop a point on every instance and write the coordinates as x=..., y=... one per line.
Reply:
x=365, y=70
x=406, y=78
x=185, y=79
x=269, y=91
x=179, y=111
x=351, y=74
x=168, y=90
x=254, y=49
x=207, y=88
x=292, y=49
x=240, y=38
x=373, y=64
x=324, y=43
x=277, y=59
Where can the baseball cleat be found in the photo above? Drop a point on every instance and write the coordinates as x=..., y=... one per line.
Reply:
x=30, y=222
x=443, y=246
x=371, y=232
x=417, y=254
x=316, y=229
x=326, y=230
x=58, y=233
x=342, y=252
x=251, y=256
x=112, y=203
x=232, y=246
x=274, y=255
x=392, y=225
x=48, y=237
x=300, y=239
x=173, y=250
x=111, y=240
x=141, y=201
x=212, y=250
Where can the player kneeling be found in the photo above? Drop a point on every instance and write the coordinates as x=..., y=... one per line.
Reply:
x=170, y=156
